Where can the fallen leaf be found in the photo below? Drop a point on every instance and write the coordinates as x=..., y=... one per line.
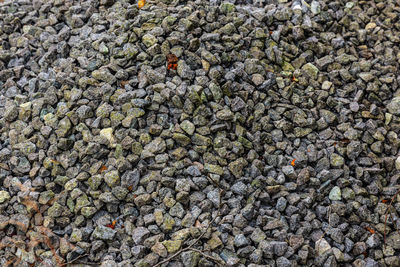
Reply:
x=345, y=140
x=173, y=66
x=130, y=188
x=385, y=200
x=372, y=231
x=112, y=225
x=123, y=83
x=141, y=3
x=102, y=169
x=197, y=224
x=292, y=163
x=54, y=161
x=172, y=58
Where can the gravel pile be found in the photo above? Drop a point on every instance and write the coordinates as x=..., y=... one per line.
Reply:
x=272, y=142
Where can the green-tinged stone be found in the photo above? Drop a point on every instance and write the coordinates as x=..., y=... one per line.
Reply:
x=108, y=134
x=301, y=132
x=181, y=139
x=216, y=91
x=116, y=116
x=227, y=7
x=144, y=138
x=46, y=196
x=55, y=210
x=76, y=235
x=137, y=148
x=335, y=194
x=172, y=246
x=236, y=167
x=25, y=110
x=81, y=202
x=88, y=211
x=181, y=234
x=225, y=115
x=104, y=233
x=136, y=112
x=169, y=201
x=168, y=223
x=214, y=169
x=149, y=40
x=112, y=178
x=194, y=97
x=61, y=180
x=103, y=111
x=310, y=71
x=348, y=193
x=130, y=51
x=201, y=140
x=169, y=21
x=287, y=67
x=158, y=214
x=104, y=75
x=95, y=181
x=4, y=196
x=214, y=242
x=64, y=126
x=70, y=204
x=119, y=153
x=188, y=127
x=71, y=184
x=336, y=160
x=246, y=143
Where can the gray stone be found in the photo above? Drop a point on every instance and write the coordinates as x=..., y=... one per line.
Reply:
x=335, y=193
x=104, y=233
x=139, y=235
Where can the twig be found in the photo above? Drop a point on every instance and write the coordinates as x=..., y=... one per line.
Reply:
x=197, y=239
x=77, y=258
x=386, y=215
x=218, y=261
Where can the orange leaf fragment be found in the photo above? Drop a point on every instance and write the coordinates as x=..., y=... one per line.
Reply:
x=102, y=169
x=294, y=79
x=372, y=231
x=197, y=224
x=141, y=3
x=130, y=188
x=173, y=66
x=112, y=225
x=172, y=61
x=385, y=200
x=292, y=163
x=54, y=161
x=123, y=83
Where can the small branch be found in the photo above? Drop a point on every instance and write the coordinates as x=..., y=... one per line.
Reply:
x=197, y=239
x=386, y=215
x=218, y=261
x=77, y=258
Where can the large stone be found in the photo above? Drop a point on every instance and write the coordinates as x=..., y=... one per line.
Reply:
x=104, y=233
x=236, y=167
x=394, y=106
x=310, y=71
x=4, y=196
x=335, y=194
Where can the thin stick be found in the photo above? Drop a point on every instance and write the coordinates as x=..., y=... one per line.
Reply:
x=386, y=215
x=197, y=239
x=218, y=261
x=77, y=258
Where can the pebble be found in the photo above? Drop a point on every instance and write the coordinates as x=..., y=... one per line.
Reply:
x=272, y=120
